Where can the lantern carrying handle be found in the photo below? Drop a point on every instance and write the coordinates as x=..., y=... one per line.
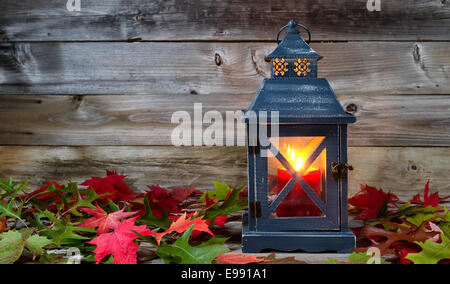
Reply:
x=293, y=24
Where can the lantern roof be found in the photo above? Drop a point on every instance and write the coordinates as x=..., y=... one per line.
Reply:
x=293, y=45
x=299, y=101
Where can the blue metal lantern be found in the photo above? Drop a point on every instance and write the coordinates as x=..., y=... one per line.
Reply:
x=297, y=180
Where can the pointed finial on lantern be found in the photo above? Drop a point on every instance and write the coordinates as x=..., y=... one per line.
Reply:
x=292, y=23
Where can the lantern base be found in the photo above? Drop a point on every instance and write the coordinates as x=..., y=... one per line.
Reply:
x=339, y=242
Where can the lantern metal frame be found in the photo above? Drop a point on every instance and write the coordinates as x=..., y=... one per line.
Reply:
x=307, y=107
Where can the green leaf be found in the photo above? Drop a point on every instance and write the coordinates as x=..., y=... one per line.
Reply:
x=432, y=252
x=231, y=205
x=181, y=252
x=36, y=244
x=27, y=232
x=114, y=207
x=363, y=258
x=11, y=247
x=220, y=192
x=62, y=231
x=52, y=259
x=356, y=258
x=83, y=201
x=419, y=215
x=12, y=189
x=8, y=210
x=151, y=220
x=332, y=261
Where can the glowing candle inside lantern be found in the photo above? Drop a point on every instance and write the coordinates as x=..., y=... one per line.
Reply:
x=297, y=203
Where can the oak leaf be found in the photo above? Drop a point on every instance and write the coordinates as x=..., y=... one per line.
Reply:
x=385, y=240
x=180, y=252
x=233, y=258
x=272, y=259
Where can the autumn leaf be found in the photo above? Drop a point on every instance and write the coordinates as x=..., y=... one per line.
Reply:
x=272, y=259
x=112, y=184
x=120, y=243
x=151, y=220
x=221, y=192
x=385, y=240
x=49, y=191
x=428, y=199
x=181, y=225
x=181, y=252
x=12, y=244
x=356, y=258
x=3, y=226
x=11, y=247
x=60, y=231
x=103, y=220
x=180, y=194
x=233, y=258
x=372, y=202
x=231, y=204
x=160, y=201
x=432, y=252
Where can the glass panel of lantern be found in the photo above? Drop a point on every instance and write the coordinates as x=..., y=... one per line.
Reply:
x=296, y=203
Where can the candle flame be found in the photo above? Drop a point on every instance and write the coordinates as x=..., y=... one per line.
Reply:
x=296, y=161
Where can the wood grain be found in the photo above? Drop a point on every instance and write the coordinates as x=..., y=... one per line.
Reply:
x=395, y=120
x=402, y=170
x=49, y=20
x=176, y=69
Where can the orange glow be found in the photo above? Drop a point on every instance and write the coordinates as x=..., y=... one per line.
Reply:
x=296, y=161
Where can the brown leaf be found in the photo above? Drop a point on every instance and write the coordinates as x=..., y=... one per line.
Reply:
x=272, y=259
x=411, y=234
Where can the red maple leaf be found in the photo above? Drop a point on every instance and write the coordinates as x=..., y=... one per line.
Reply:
x=120, y=243
x=162, y=201
x=233, y=258
x=180, y=194
x=373, y=202
x=103, y=220
x=181, y=225
x=112, y=184
x=210, y=202
x=428, y=199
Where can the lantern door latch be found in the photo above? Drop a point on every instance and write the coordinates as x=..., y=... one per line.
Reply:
x=340, y=170
x=255, y=209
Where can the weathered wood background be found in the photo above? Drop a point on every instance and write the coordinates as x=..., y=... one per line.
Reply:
x=95, y=89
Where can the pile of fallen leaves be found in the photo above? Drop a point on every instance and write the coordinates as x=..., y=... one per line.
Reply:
x=105, y=221
x=417, y=231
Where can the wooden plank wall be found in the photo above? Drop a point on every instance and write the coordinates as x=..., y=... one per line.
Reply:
x=88, y=90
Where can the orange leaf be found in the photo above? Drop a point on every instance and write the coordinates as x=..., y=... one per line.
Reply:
x=234, y=258
x=181, y=225
x=3, y=227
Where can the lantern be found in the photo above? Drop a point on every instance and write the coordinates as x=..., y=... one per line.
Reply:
x=297, y=172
